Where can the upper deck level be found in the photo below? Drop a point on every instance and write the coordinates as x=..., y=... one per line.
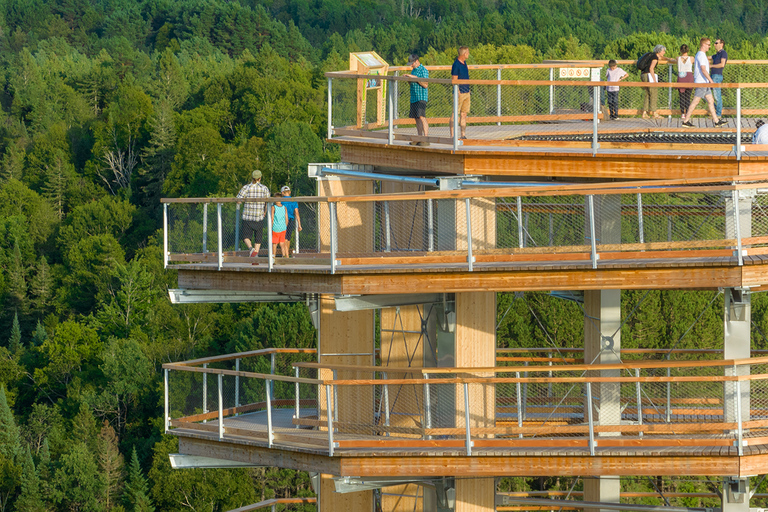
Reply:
x=540, y=120
x=672, y=234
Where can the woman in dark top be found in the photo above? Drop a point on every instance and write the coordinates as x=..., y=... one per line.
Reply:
x=649, y=75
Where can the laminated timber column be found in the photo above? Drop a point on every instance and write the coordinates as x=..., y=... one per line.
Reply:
x=602, y=345
x=346, y=338
x=476, y=347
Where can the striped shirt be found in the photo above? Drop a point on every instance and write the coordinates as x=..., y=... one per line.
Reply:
x=419, y=93
x=254, y=211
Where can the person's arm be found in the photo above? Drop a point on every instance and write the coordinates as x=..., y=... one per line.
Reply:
x=298, y=218
x=722, y=63
x=272, y=215
x=705, y=73
x=652, y=67
x=624, y=76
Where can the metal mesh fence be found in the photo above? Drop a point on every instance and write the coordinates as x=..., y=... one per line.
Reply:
x=553, y=112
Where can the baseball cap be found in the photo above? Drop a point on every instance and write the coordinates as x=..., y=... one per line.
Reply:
x=413, y=58
x=285, y=188
x=256, y=174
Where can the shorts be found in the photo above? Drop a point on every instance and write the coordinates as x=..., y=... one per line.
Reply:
x=702, y=92
x=464, y=102
x=278, y=236
x=290, y=229
x=418, y=109
x=252, y=230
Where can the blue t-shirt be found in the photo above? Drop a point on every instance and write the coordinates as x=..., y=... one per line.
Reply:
x=460, y=70
x=290, y=206
x=716, y=59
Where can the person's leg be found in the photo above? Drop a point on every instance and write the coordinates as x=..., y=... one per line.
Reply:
x=424, y=127
x=685, y=100
x=613, y=103
x=646, y=95
x=691, y=108
x=284, y=249
x=463, y=125
x=717, y=94
x=711, y=108
x=654, y=94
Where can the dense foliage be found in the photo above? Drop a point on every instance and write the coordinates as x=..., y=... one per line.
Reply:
x=108, y=105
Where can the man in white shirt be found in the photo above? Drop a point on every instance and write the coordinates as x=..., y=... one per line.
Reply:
x=701, y=76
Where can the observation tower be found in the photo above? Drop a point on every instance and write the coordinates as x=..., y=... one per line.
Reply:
x=407, y=403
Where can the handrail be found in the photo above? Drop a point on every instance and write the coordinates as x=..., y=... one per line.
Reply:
x=272, y=502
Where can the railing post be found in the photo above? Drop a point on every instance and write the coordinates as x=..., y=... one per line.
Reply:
x=296, y=233
x=470, y=258
x=595, y=111
x=221, y=406
x=639, y=401
x=237, y=227
x=167, y=405
x=669, y=394
x=329, y=419
x=738, y=123
x=237, y=385
x=335, y=397
x=737, y=222
x=268, y=391
x=330, y=109
x=518, y=389
x=551, y=91
x=219, y=230
x=205, y=392
x=641, y=229
x=332, y=211
x=297, y=404
x=498, y=96
x=165, y=235
x=590, y=420
x=390, y=115
x=272, y=371
x=387, y=229
x=386, y=401
x=427, y=406
x=520, y=232
x=595, y=256
x=205, y=227
x=430, y=226
x=455, y=119
x=468, y=433
x=270, y=252
x=740, y=438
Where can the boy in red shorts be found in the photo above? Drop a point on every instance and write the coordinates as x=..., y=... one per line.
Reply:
x=279, y=216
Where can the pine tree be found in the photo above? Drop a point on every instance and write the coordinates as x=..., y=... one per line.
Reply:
x=40, y=335
x=17, y=282
x=42, y=285
x=110, y=463
x=14, y=342
x=84, y=428
x=29, y=499
x=135, y=496
x=10, y=439
x=58, y=174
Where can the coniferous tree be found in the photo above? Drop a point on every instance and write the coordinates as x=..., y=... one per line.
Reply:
x=42, y=286
x=136, y=497
x=14, y=342
x=40, y=335
x=10, y=450
x=111, y=463
x=17, y=281
x=84, y=428
x=29, y=499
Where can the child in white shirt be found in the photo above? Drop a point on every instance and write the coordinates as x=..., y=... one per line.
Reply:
x=614, y=74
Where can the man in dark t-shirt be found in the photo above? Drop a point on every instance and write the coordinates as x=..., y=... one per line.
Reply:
x=460, y=71
x=716, y=72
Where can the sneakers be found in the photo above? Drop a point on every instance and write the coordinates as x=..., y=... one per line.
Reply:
x=720, y=123
x=413, y=143
x=422, y=143
x=688, y=124
x=253, y=253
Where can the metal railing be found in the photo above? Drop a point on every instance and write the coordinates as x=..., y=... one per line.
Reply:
x=652, y=403
x=472, y=230
x=545, y=104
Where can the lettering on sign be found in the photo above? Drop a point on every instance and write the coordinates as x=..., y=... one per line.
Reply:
x=574, y=73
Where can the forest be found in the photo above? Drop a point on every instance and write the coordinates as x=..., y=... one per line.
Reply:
x=109, y=105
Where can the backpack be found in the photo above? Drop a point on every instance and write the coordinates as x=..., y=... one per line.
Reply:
x=644, y=62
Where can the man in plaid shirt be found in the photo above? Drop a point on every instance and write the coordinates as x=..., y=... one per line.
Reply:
x=419, y=97
x=253, y=213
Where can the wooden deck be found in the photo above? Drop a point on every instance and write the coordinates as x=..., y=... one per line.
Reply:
x=521, y=150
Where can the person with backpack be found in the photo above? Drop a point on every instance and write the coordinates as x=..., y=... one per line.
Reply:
x=647, y=66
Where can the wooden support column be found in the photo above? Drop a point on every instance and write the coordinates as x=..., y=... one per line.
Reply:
x=476, y=347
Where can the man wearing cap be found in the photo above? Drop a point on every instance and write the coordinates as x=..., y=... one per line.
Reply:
x=253, y=212
x=294, y=220
x=419, y=98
